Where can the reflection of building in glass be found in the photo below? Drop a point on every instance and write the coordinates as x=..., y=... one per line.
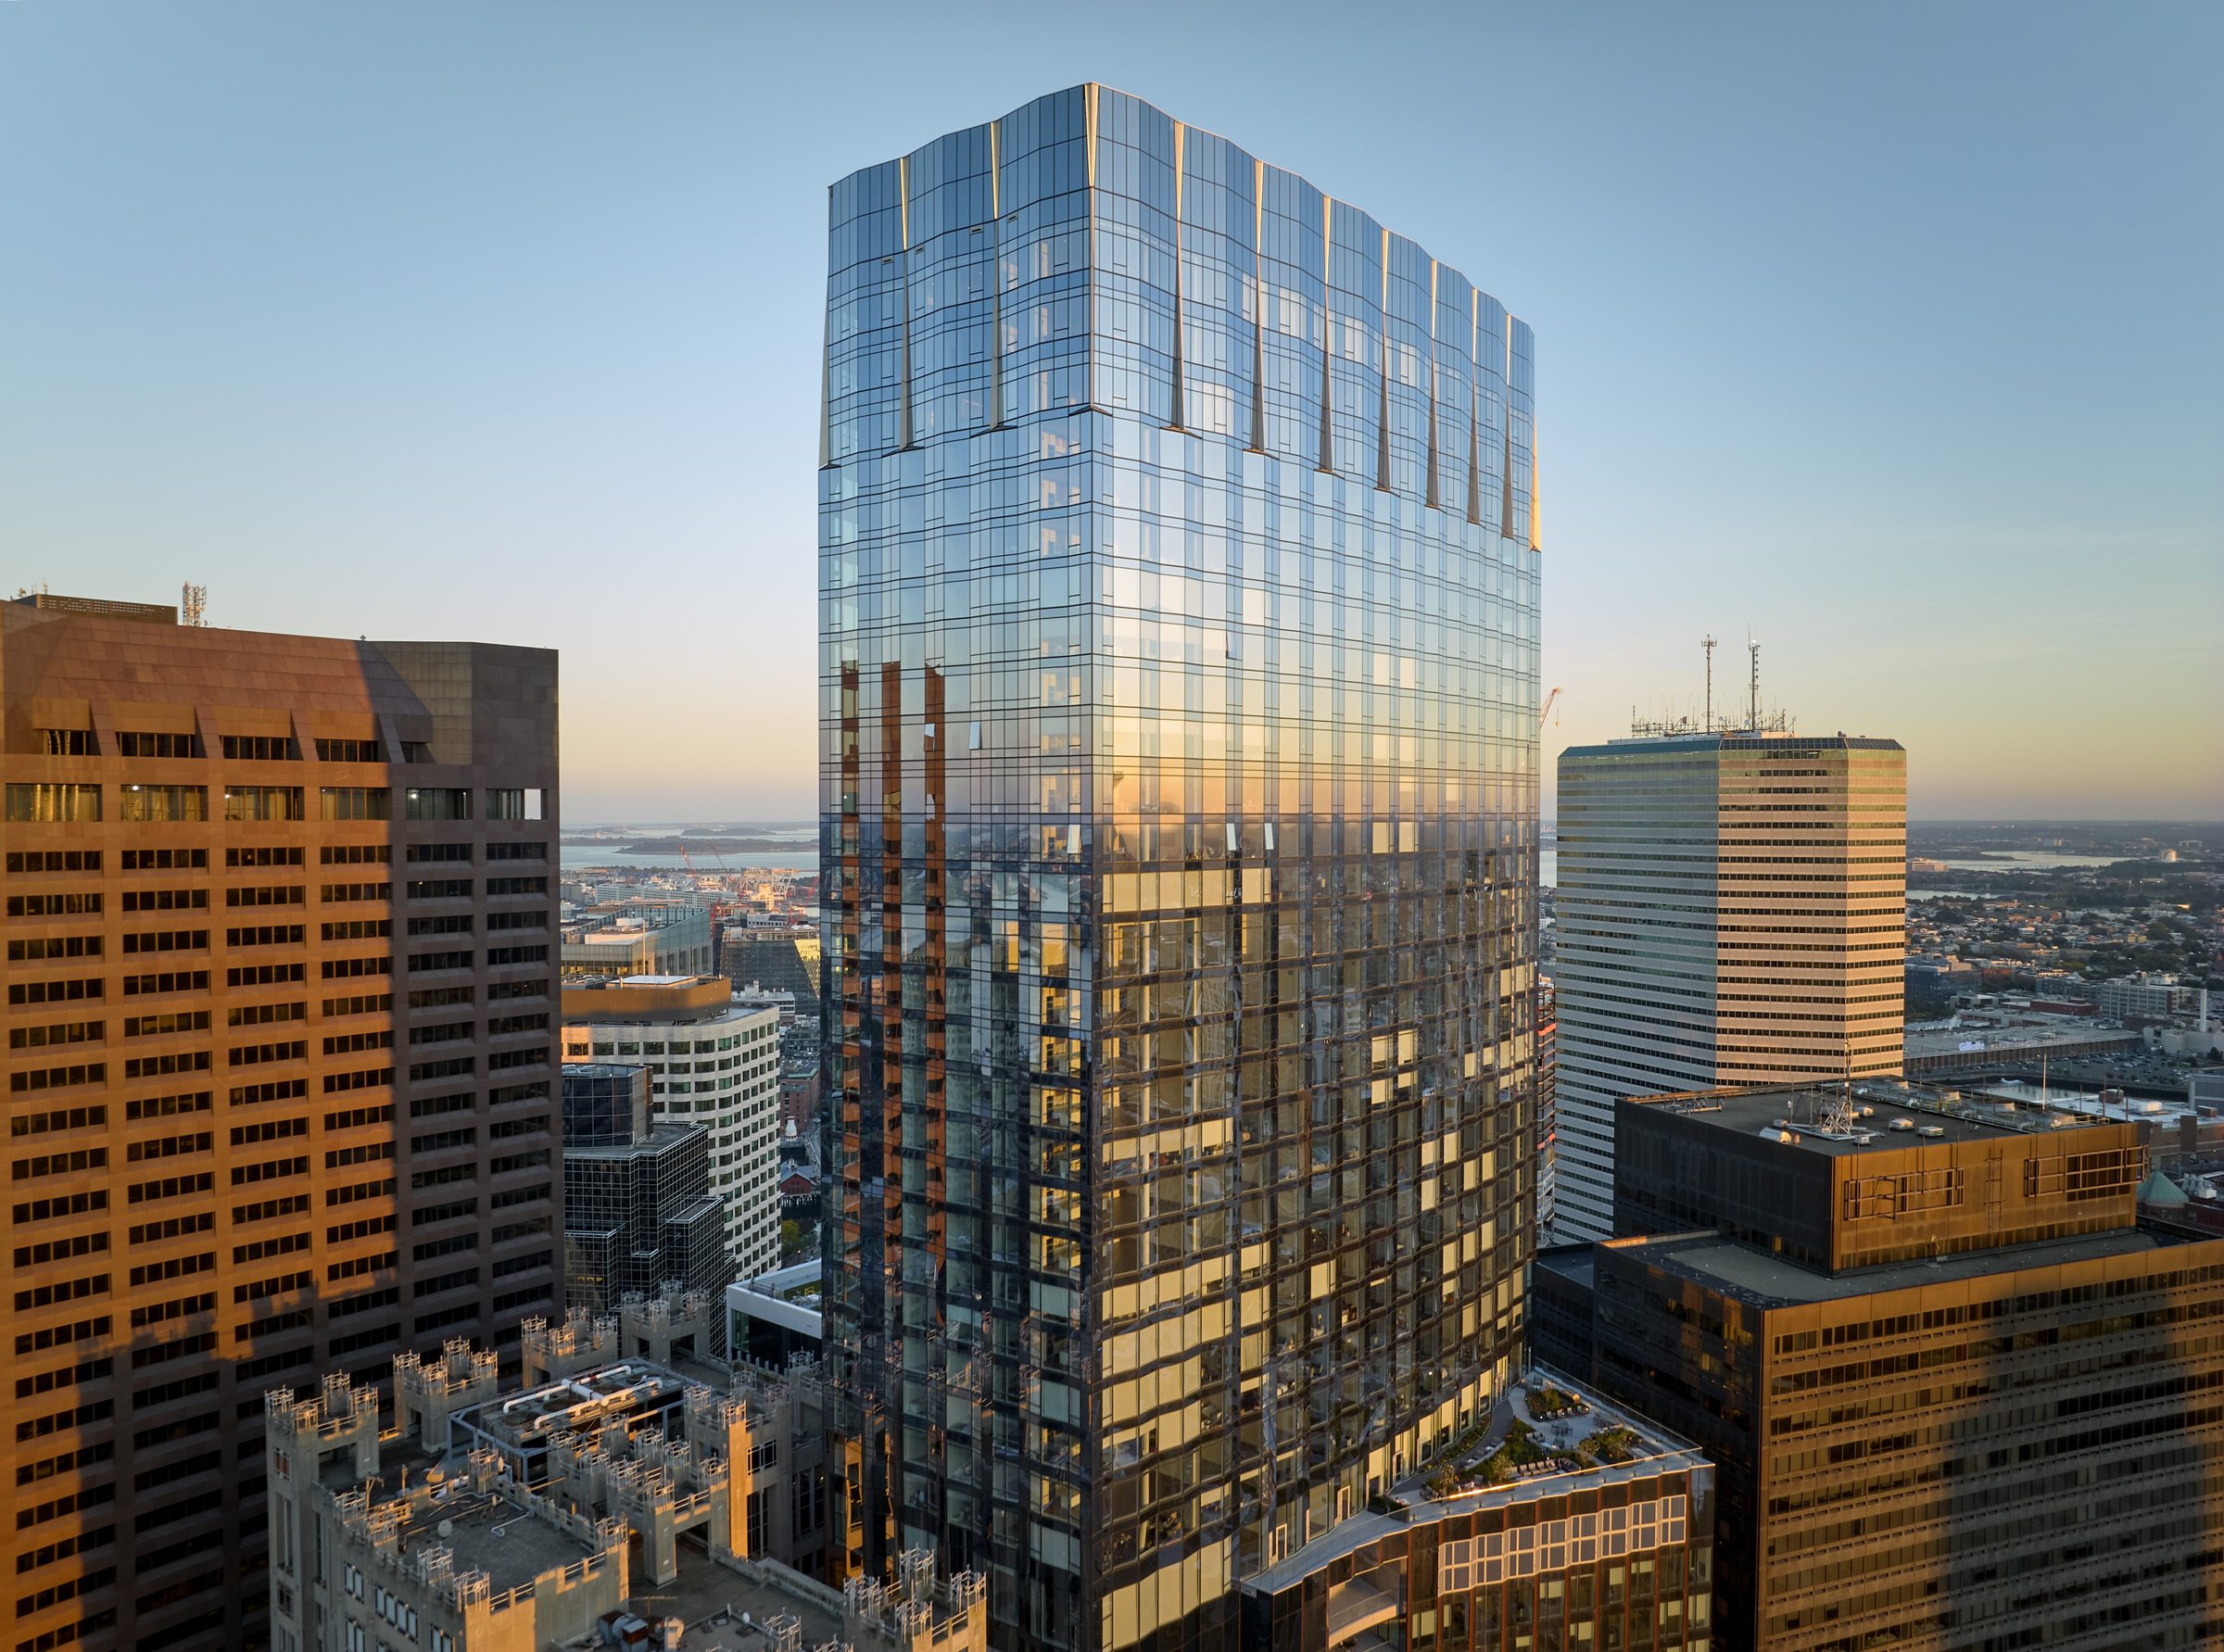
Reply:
x=1180, y=824
x=781, y=960
x=1547, y=1108
x=1912, y=1331
x=638, y=1205
x=714, y=1062
x=1731, y=910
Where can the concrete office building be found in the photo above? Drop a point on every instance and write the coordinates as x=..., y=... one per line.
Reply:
x=638, y=1205
x=279, y=1068
x=728, y=1082
x=2152, y=996
x=1942, y=1365
x=1732, y=910
x=1178, y=791
x=669, y=942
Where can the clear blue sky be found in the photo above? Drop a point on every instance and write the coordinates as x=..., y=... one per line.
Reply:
x=1889, y=331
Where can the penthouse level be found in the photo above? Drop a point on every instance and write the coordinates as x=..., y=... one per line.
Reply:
x=1837, y=1177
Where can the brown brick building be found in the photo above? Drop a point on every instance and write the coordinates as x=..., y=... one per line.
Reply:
x=281, y=1055
x=1961, y=1394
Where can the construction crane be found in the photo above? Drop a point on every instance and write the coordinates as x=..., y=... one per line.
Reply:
x=1550, y=699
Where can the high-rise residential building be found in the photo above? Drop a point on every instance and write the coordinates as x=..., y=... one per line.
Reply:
x=1937, y=1352
x=1179, y=570
x=1732, y=910
x=279, y=1065
x=710, y=1062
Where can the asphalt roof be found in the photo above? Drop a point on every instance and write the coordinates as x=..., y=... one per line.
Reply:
x=1763, y=1279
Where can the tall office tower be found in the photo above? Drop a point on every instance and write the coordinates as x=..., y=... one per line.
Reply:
x=1179, y=573
x=1940, y=1353
x=279, y=1069
x=1732, y=910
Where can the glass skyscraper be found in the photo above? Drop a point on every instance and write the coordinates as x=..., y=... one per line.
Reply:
x=1179, y=573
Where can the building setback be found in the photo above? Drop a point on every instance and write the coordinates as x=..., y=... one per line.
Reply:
x=1577, y=1554
x=279, y=1066
x=1954, y=1385
x=1179, y=676
x=1731, y=911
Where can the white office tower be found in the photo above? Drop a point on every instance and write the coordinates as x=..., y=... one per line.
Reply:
x=1732, y=911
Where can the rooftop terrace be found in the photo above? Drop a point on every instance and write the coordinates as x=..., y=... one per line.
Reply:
x=1650, y=1449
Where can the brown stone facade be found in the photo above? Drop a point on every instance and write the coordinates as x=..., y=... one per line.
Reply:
x=282, y=1071
x=1960, y=1386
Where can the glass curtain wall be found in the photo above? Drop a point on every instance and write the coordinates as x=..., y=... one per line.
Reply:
x=1180, y=583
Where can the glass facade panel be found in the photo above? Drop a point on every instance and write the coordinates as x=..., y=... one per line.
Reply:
x=1180, y=579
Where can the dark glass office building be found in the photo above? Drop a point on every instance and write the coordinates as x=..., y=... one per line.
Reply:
x=1180, y=575
x=638, y=1209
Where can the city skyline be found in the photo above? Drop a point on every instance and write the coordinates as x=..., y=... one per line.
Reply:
x=447, y=292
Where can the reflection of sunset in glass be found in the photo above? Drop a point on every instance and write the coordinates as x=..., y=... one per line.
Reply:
x=1188, y=996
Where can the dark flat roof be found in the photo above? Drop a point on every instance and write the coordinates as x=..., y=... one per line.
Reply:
x=1770, y=745
x=1573, y=1262
x=1761, y=1279
x=1757, y=1112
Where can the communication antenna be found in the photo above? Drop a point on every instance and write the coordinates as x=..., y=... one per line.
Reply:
x=1752, y=647
x=192, y=605
x=1707, y=643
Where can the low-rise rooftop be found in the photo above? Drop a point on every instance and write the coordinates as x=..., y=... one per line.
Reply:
x=487, y=1531
x=1867, y=1117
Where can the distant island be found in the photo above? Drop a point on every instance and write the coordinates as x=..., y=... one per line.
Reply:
x=696, y=845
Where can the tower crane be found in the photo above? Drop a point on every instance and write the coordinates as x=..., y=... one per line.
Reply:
x=1547, y=710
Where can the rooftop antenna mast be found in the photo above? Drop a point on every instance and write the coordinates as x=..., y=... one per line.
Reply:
x=1752, y=647
x=1707, y=643
x=195, y=601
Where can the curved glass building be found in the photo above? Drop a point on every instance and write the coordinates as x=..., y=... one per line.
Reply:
x=1180, y=563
